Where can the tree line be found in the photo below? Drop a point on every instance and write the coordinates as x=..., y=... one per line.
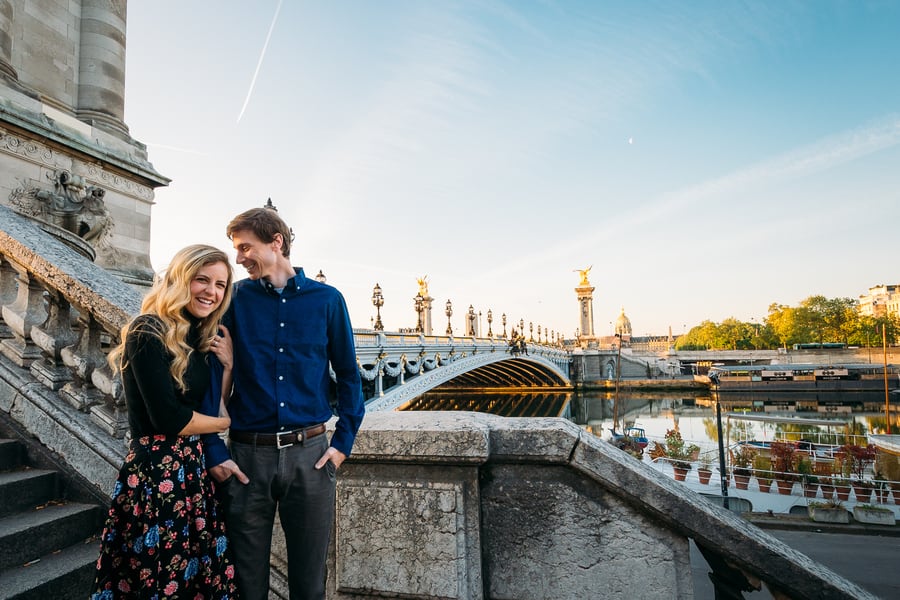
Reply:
x=815, y=320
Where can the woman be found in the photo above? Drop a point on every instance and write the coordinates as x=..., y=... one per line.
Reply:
x=164, y=537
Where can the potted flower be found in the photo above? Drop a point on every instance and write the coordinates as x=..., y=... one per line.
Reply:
x=679, y=454
x=841, y=488
x=762, y=469
x=827, y=486
x=875, y=515
x=783, y=457
x=704, y=469
x=740, y=465
x=830, y=511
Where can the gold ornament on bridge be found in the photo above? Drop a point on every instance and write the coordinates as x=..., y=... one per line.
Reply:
x=423, y=285
x=583, y=273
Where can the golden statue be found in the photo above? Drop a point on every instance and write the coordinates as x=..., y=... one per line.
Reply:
x=584, y=275
x=423, y=285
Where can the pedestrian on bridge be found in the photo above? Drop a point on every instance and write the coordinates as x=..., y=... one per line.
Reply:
x=287, y=330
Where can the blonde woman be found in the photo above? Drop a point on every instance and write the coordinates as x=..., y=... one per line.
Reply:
x=164, y=536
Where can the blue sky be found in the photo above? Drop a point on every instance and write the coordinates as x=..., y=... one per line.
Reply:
x=705, y=158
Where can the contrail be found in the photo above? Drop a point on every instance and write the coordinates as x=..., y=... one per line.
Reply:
x=259, y=64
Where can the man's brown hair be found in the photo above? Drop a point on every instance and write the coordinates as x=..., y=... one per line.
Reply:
x=265, y=224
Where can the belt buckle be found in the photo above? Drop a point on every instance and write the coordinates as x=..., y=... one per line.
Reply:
x=278, y=443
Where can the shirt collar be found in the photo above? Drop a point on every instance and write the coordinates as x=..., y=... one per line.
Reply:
x=294, y=284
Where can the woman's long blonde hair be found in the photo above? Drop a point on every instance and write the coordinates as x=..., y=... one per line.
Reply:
x=167, y=298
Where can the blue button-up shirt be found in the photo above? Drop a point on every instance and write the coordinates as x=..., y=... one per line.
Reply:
x=283, y=346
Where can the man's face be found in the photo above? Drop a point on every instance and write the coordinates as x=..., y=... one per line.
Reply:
x=258, y=257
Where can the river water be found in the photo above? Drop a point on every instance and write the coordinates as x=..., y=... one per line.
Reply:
x=694, y=415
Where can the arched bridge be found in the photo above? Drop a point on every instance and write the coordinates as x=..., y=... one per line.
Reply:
x=398, y=367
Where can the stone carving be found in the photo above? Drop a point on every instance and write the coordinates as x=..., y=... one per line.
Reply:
x=72, y=205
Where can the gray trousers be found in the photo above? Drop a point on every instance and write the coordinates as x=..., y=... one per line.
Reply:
x=288, y=481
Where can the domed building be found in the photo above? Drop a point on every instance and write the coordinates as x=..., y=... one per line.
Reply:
x=623, y=326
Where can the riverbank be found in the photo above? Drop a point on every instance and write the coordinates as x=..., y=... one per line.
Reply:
x=677, y=384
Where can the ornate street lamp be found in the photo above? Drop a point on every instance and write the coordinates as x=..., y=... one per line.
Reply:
x=471, y=321
x=419, y=304
x=530, y=331
x=320, y=277
x=448, y=310
x=539, y=334
x=522, y=326
x=378, y=302
x=490, y=318
x=503, y=318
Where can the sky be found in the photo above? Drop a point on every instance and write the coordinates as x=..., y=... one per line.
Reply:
x=703, y=159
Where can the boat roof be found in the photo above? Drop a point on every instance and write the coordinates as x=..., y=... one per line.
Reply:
x=799, y=366
x=888, y=443
x=782, y=419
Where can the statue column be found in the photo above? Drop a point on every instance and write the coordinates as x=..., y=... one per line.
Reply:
x=426, y=317
x=586, y=310
x=6, y=17
x=101, y=66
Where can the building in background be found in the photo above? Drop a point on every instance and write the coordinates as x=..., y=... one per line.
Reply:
x=66, y=157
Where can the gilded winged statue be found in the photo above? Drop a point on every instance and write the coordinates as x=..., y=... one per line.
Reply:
x=584, y=275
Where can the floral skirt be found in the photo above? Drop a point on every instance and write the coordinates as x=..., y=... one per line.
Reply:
x=164, y=536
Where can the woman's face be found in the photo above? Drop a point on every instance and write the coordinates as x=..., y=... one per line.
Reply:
x=207, y=289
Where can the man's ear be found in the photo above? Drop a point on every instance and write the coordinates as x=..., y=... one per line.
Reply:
x=278, y=241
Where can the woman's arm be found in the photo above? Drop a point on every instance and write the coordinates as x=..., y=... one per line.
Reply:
x=201, y=423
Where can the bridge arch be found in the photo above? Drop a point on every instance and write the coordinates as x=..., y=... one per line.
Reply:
x=481, y=370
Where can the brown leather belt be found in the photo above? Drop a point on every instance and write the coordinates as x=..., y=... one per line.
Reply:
x=279, y=440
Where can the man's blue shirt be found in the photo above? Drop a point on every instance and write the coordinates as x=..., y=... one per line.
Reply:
x=283, y=345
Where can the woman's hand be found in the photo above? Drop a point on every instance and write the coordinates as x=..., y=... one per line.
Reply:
x=221, y=346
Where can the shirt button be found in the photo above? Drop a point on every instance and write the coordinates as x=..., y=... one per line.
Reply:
x=283, y=300
x=281, y=405
x=281, y=324
x=282, y=427
x=280, y=377
x=281, y=349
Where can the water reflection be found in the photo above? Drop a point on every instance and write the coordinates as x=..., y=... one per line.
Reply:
x=692, y=414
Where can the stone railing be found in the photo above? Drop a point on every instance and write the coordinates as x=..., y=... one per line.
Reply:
x=60, y=315
x=466, y=505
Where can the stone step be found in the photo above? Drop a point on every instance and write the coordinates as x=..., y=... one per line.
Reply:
x=30, y=535
x=11, y=455
x=26, y=488
x=64, y=575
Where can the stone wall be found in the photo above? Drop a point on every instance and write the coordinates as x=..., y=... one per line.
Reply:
x=466, y=505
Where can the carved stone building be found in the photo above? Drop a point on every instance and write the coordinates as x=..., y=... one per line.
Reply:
x=66, y=157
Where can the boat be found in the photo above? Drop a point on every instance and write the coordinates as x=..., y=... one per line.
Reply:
x=889, y=444
x=803, y=377
x=636, y=434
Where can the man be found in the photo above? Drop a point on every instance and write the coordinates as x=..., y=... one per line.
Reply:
x=286, y=330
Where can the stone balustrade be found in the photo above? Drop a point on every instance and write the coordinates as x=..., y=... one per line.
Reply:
x=467, y=505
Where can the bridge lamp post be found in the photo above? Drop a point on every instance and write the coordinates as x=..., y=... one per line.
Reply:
x=490, y=318
x=378, y=302
x=503, y=318
x=419, y=302
x=530, y=331
x=448, y=310
x=522, y=326
x=320, y=277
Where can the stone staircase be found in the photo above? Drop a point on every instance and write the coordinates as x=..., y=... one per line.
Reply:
x=48, y=545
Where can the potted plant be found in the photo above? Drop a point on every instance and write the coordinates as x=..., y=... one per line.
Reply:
x=841, y=488
x=704, y=469
x=875, y=515
x=856, y=461
x=678, y=453
x=830, y=511
x=740, y=465
x=762, y=469
x=827, y=486
x=808, y=479
x=783, y=457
